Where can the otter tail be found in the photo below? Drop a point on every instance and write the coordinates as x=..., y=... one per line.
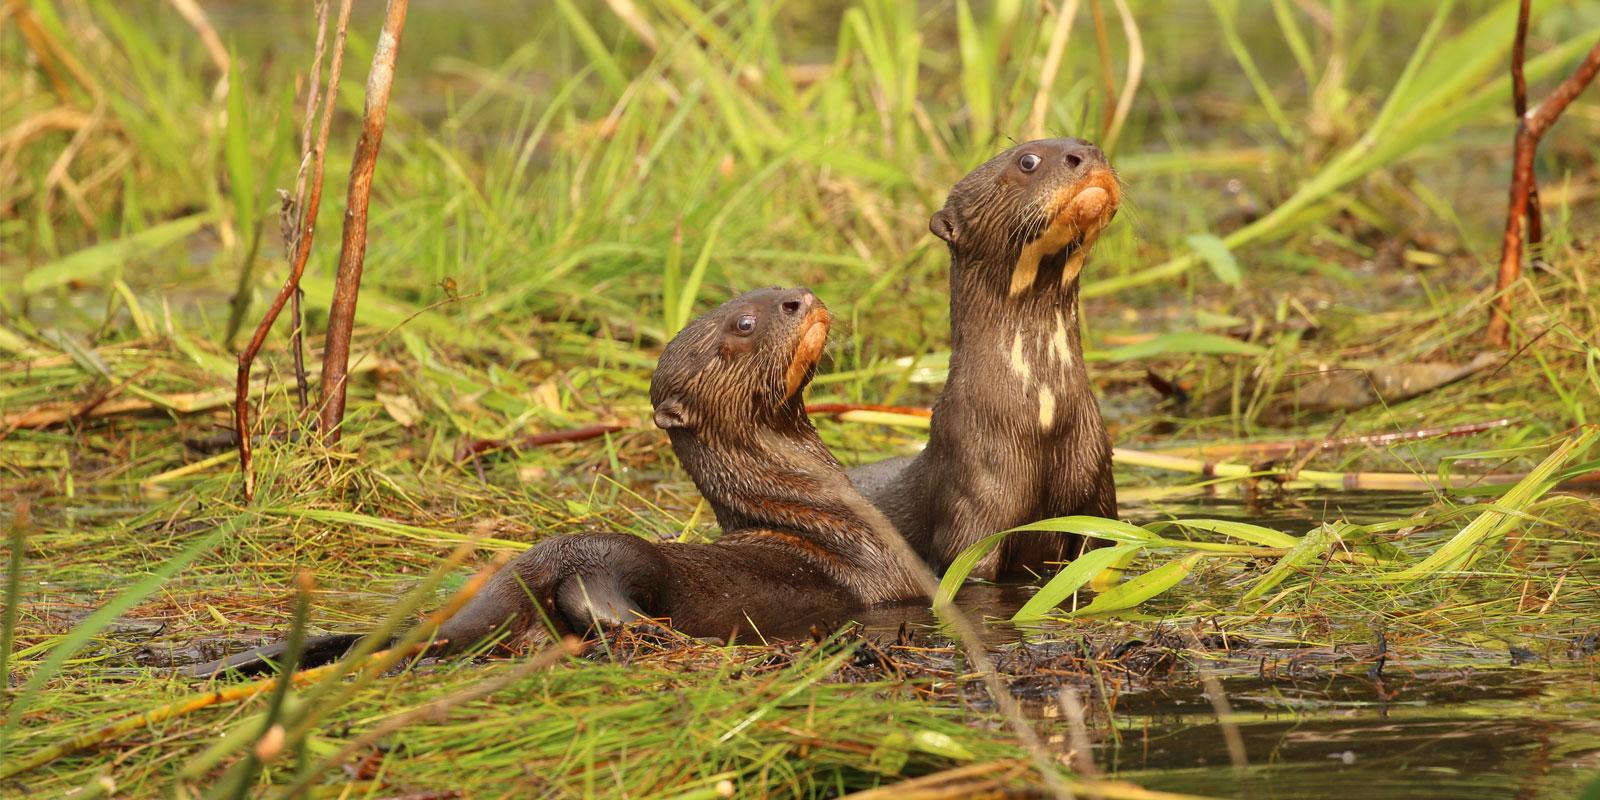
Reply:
x=318, y=650
x=567, y=584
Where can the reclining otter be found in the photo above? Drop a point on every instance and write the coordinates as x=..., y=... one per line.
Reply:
x=800, y=544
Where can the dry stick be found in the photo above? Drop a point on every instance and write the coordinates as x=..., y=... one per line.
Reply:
x=291, y=285
x=1519, y=103
x=477, y=447
x=353, y=248
x=1102, y=45
x=1531, y=127
x=1052, y=65
x=1130, y=84
x=293, y=225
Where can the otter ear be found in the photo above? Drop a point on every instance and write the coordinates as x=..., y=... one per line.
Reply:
x=945, y=225
x=671, y=414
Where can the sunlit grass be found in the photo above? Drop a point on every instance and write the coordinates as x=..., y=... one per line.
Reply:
x=559, y=192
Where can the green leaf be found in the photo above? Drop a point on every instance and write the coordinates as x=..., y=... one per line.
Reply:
x=1072, y=578
x=940, y=744
x=1217, y=256
x=1255, y=534
x=1097, y=527
x=1311, y=546
x=589, y=41
x=91, y=261
x=956, y=574
x=1178, y=344
x=977, y=72
x=1142, y=588
x=236, y=153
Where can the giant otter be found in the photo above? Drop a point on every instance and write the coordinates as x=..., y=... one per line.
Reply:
x=800, y=544
x=1016, y=436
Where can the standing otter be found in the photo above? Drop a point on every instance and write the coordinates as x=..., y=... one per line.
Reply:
x=800, y=544
x=1016, y=436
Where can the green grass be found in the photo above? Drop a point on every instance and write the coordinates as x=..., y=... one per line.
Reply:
x=559, y=192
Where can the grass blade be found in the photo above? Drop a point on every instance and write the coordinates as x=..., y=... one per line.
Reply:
x=90, y=262
x=1069, y=580
x=1467, y=545
x=1142, y=588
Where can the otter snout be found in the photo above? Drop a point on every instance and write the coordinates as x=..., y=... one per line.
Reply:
x=797, y=302
x=1078, y=155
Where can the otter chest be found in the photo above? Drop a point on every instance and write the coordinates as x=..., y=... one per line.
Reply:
x=1041, y=359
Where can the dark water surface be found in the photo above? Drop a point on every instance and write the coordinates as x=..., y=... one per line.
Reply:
x=1315, y=722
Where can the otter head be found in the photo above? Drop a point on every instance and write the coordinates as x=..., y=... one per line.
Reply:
x=741, y=364
x=1029, y=211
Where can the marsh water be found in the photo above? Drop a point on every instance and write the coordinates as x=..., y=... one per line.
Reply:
x=1463, y=722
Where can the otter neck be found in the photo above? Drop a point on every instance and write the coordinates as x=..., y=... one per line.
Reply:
x=1028, y=339
x=769, y=476
x=1037, y=328
x=782, y=479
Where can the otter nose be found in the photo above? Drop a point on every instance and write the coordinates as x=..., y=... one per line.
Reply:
x=800, y=300
x=1079, y=153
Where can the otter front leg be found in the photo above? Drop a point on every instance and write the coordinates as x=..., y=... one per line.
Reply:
x=974, y=504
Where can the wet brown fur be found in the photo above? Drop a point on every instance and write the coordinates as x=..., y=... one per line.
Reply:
x=992, y=462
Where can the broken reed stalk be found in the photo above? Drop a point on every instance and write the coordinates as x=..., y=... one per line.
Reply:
x=169, y=711
x=1130, y=83
x=1285, y=447
x=1294, y=478
x=243, y=774
x=353, y=247
x=306, y=233
x=1523, y=208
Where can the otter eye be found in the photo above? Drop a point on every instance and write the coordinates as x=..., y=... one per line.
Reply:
x=1029, y=162
x=745, y=325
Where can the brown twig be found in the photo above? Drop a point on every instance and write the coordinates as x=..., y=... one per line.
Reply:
x=845, y=408
x=353, y=247
x=477, y=447
x=1283, y=447
x=293, y=226
x=1532, y=124
x=307, y=229
x=1519, y=102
